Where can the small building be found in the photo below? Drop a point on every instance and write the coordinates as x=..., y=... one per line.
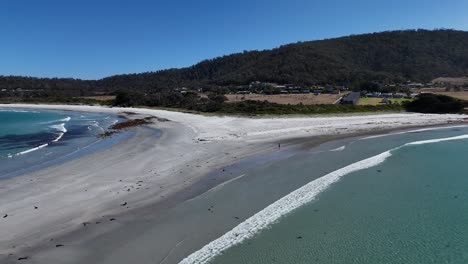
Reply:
x=351, y=98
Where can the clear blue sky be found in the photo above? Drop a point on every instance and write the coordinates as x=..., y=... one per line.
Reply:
x=92, y=39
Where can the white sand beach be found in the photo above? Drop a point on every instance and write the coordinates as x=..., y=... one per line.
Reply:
x=145, y=169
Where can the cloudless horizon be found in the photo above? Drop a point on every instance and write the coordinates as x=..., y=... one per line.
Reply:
x=94, y=39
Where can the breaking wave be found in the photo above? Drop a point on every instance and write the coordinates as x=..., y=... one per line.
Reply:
x=413, y=131
x=290, y=202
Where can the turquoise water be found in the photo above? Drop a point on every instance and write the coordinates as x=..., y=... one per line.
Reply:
x=411, y=208
x=30, y=138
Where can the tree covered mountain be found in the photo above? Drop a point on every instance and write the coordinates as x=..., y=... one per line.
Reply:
x=393, y=56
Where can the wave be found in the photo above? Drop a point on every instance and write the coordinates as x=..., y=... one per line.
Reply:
x=31, y=150
x=413, y=131
x=58, y=138
x=339, y=149
x=290, y=202
x=436, y=140
x=66, y=119
x=60, y=127
x=17, y=111
x=281, y=207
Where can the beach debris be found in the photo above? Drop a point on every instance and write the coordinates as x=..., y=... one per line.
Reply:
x=112, y=219
x=58, y=245
x=23, y=258
x=5, y=216
x=124, y=204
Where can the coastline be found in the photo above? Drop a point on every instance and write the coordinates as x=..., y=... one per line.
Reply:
x=184, y=145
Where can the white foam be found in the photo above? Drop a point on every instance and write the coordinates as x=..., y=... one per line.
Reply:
x=413, y=131
x=17, y=111
x=60, y=127
x=31, y=150
x=339, y=149
x=436, y=140
x=59, y=137
x=281, y=207
x=66, y=119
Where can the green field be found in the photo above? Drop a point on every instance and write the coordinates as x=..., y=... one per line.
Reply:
x=378, y=101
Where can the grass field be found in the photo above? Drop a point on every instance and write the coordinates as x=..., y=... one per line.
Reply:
x=293, y=99
x=378, y=101
x=463, y=95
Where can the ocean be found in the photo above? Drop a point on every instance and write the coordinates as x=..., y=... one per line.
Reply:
x=397, y=198
x=34, y=139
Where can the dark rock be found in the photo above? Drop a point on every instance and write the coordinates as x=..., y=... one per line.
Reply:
x=58, y=245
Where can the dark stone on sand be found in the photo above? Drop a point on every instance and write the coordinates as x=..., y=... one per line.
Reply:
x=23, y=258
x=112, y=219
x=5, y=216
x=124, y=204
x=35, y=207
x=58, y=245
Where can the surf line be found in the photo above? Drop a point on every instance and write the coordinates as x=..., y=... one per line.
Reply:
x=290, y=202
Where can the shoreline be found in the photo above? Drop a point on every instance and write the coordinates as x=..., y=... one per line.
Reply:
x=183, y=145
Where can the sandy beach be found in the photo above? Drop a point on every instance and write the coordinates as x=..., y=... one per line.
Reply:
x=129, y=202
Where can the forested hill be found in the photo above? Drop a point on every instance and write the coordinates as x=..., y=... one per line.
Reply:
x=417, y=55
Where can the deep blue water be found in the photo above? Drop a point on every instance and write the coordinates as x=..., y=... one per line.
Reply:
x=31, y=139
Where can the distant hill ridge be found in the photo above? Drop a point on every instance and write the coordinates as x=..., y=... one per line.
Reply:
x=394, y=56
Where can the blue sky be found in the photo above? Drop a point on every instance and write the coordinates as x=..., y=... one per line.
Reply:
x=93, y=39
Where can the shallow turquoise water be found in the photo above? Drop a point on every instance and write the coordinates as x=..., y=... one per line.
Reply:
x=30, y=138
x=412, y=208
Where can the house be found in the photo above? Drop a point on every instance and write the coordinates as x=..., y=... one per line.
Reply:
x=351, y=98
